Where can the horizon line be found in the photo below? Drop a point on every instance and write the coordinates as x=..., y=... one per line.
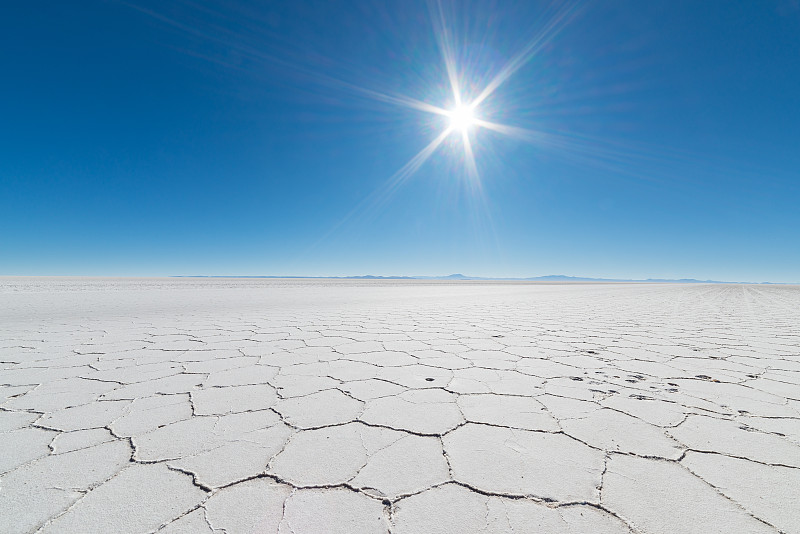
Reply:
x=451, y=277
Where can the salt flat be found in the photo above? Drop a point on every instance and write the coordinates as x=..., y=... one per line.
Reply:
x=321, y=406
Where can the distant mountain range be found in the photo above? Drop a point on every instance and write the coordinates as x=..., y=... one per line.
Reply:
x=458, y=276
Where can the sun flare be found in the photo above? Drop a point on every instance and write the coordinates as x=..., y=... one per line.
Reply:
x=462, y=118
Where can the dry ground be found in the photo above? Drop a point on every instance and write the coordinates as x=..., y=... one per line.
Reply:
x=312, y=406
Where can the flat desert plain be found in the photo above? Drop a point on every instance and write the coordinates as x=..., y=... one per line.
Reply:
x=342, y=406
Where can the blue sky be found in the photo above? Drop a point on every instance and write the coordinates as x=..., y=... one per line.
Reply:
x=649, y=139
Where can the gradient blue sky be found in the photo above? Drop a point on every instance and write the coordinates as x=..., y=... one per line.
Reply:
x=197, y=137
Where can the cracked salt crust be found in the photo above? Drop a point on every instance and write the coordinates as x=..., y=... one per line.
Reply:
x=452, y=508
x=292, y=406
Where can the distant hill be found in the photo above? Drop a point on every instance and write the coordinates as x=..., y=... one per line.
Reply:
x=459, y=276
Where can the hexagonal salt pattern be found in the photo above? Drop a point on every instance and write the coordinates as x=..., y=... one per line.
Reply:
x=298, y=406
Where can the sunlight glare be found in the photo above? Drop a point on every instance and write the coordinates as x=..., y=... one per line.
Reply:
x=462, y=118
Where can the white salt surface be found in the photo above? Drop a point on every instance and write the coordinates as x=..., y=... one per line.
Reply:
x=319, y=406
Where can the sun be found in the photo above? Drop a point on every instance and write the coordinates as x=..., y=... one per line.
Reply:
x=462, y=121
x=462, y=118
